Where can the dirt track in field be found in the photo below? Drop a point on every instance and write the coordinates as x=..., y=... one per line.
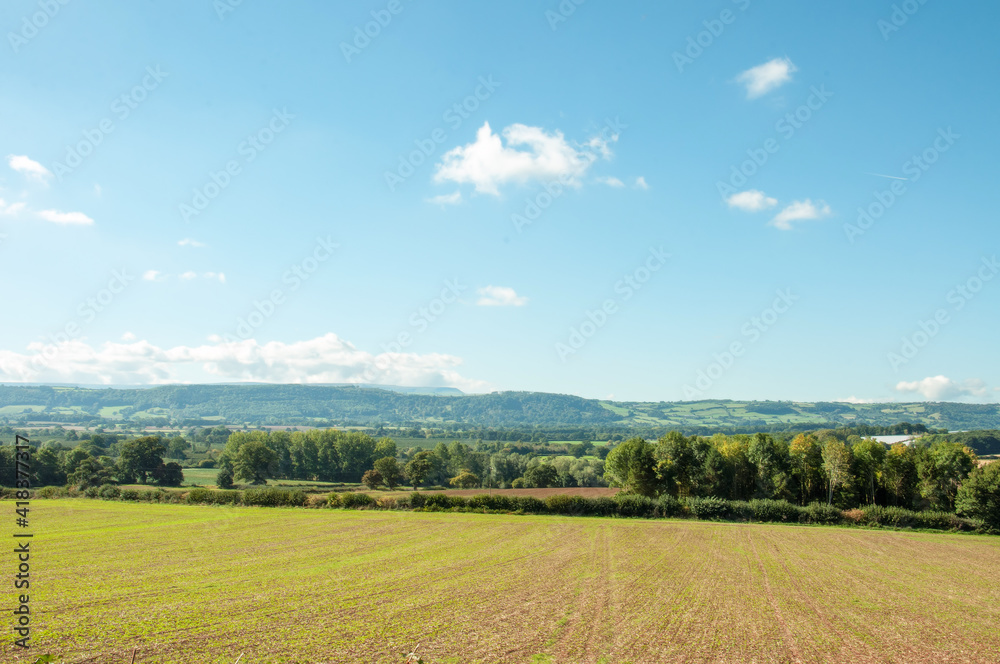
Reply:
x=204, y=584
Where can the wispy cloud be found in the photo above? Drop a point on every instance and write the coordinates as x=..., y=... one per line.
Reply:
x=29, y=167
x=11, y=209
x=446, y=199
x=611, y=181
x=488, y=162
x=763, y=78
x=73, y=218
x=640, y=183
x=153, y=275
x=500, y=296
x=752, y=200
x=188, y=242
x=800, y=211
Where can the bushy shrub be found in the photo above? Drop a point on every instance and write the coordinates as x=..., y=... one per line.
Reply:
x=667, y=506
x=273, y=497
x=317, y=500
x=153, y=496
x=333, y=500
x=92, y=492
x=634, y=506
x=416, y=499
x=561, y=504
x=131, y=495
x=940, y=521
x=893, y=517
x=709, y=508
x=52, y=492
x=776, y=511
x=109, y=491
x=441, y=501
x=386, y=503
x=210, y=497
x=528, y=504
x=496, y=503
x=350, y=500
x=817, y=512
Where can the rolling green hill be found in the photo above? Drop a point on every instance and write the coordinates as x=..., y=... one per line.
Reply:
x=350, y=405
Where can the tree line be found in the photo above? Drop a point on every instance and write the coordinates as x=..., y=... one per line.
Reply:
x=845, y=473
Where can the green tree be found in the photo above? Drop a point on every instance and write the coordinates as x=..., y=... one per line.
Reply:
x=169, y=474
x=836, y=465
x=465, y=480
x=869, y=458
x=632, y=467
x=224, y=478
x=418, y=467
x=806, y=459
x=388, y=468
x=140, y=457
x=254, y=462
x=177, y=447
x=90, y=472
x=979, y=495
x=542, y=476
x=372, y=479
x=899, y=473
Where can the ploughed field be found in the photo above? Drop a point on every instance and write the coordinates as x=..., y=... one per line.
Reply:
x=206, y=584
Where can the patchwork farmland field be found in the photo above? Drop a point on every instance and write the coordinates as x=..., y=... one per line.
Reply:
x=207, y=584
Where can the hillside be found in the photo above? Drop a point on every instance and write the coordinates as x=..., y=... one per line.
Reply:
x=350, y=405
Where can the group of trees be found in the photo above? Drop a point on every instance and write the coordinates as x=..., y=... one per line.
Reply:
x=325, y=455
x=846, y=473
x=100, y=459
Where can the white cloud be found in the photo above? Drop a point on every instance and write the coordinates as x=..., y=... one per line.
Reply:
x=853, y=399
x=12, y=209
x=942, y=388
x=188, y=242
x=611, y=182
x=640, y=183
x=763, y=78
x=128, y=336
x=487, y=163
x=800, y=211
x=216, y=275
x=752, y=200
x=187, y=276
x=500, y=296
x=446, y=199
x=325, y=359
x=57, y=217
x=153, y=275
x=29, y=167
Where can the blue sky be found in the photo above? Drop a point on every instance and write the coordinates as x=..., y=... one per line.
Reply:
x=634, y=200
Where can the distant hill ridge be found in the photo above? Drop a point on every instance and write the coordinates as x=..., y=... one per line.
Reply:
x=370, y=405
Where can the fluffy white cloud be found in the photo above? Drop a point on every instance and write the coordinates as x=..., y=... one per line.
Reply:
x=57, y=217
x=128, y=336
x=942, y=388
x=640, y=183
x=763, y=78
x=611, y=181
x=800, y=211
x=216, y=275
x=188, y=242
x=153, y=275
x=446, y=199
x=29, y=167
x=752, y=200
x=500, y=296
x=325, y=359
x=187, y=276
x=488, y=163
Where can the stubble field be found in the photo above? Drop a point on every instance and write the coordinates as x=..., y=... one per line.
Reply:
x=207, y=584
